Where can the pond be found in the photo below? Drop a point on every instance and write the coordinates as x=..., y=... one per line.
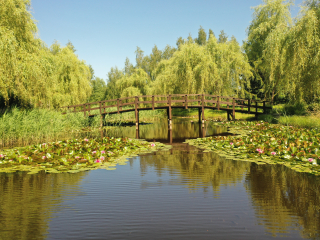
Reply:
x=183, y=193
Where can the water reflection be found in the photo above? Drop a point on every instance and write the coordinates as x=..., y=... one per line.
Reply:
x=181, y=129
x=281, y=195
x=27, y=202
x=197, y=170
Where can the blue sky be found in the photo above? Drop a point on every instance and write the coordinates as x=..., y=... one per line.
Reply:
x=105, y=32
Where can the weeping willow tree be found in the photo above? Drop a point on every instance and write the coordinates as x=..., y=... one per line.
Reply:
x=214, y=68
x=30, y=73
x=265, y=44
x=302, y=55
x=285, y=53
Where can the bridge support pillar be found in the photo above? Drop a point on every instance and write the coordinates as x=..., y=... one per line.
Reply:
x=169, y=117
x=137, y=119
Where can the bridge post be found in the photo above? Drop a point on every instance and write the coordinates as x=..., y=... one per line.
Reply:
x=218, y=103
x=249, y=106
x=203, y=117
x=170, y=114
x=264, y=107
x=118, y=105
x=136, y=111
x=233, y=109
x=199, y=114
x=152, y=102
x=84, y=109
x=186, y=101
x=101, y=118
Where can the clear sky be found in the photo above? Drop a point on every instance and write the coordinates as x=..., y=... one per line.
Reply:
x=105, y=32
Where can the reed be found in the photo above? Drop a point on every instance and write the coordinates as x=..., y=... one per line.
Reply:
x=310, y=121
x=23, y=127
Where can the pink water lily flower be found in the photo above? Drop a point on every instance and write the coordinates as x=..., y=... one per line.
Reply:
x=86, y=140
x=102, y=158
x=310, y=159
x=43, y=157
x=103, y=152
x=273, y=153
x=152, y=145
x=1, y=155
x=97, y=161
x=259, y=150
x=231, y=143
x=94, y=152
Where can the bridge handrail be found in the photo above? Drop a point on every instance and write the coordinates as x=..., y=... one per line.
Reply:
x=216, y=100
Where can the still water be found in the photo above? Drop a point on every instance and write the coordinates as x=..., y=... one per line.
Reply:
x=178, y=194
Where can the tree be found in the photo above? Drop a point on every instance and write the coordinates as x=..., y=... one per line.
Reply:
x=202, y=37
x=31, y=74
x=180, y=41
x=210, y=33
x=265, y=44
x=301, y=55
x=70, y=45
x=98, y=89
x=223, y=37
x=214, y=68
x=139, y=57
x=112, y=91
x=128, y=67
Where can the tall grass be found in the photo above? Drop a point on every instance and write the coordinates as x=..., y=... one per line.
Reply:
x=23, y=127
x=311, y=121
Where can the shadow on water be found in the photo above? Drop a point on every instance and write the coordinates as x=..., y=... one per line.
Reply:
x=182, y=193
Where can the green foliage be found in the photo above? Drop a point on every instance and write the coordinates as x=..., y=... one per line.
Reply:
x=202, y=37
x=283, y=52
x=214, y=68
x=30, y=73
x=223, y=37
x=98, y=89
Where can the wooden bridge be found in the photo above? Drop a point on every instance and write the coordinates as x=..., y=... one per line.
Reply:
x=151, y=102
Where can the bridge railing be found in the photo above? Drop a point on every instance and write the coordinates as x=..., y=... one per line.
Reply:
x=164, y=101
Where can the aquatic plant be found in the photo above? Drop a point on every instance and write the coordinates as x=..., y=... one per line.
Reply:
x=261, y=142
x=74, y=155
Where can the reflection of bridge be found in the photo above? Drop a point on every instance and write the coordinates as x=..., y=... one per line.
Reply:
x=200, y=101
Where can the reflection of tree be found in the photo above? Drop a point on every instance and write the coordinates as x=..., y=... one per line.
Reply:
x=27, y=202
x=280, y=194
x=199, y=170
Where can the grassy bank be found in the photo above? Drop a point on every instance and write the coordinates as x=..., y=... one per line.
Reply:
x=299, y=115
